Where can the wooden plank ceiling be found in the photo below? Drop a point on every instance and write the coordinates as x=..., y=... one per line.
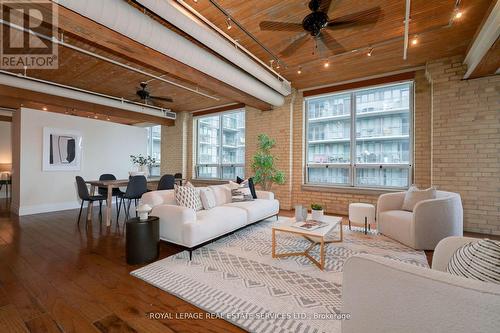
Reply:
x=428, y=19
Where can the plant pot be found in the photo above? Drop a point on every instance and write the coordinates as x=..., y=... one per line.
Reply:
x=317, y=214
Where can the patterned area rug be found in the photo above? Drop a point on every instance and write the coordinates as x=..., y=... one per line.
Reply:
x=237, y=279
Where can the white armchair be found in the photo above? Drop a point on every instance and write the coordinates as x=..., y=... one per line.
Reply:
x=385, y=295
x=431, y=220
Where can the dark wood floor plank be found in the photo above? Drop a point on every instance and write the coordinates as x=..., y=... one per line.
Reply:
x=43, y=324
x=113, y=324
x=11, y=321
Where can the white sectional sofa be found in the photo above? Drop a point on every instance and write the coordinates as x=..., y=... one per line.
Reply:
x=186, y=227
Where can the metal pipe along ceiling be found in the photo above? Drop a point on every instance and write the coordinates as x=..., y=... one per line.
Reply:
x=128, y=21
x=177, y=15
x=51, y=88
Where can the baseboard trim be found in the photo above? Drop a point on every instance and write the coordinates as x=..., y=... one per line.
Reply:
x=52, y=207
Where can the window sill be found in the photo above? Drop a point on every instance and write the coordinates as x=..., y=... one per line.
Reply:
x=194, y=181
x=350, y=190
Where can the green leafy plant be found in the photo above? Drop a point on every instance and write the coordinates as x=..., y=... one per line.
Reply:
x=316, y=207
x=263, y=164
x=140, y=160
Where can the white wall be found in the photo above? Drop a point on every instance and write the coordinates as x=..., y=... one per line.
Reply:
x=5, y=147
x=106, y=149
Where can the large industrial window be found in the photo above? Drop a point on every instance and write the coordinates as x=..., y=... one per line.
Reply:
x=220, y=145
x=360, y=138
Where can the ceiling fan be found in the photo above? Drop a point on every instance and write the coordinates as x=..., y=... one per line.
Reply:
x=146, y=97
x=318, y=25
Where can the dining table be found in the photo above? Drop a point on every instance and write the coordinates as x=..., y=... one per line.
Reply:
x=110, y=185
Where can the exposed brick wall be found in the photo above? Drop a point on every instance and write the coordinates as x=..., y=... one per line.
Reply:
x=422, y=131
x=466, y=141
x=174, y=146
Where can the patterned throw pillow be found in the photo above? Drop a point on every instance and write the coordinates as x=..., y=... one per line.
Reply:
x=240, y=192
x=413, y=196
x=208, y=198
x=187, y=196
x=477, y=260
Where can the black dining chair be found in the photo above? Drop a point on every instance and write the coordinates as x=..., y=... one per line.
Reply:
x=116, y=191
x=83, y=193
x=178, y=176
x=137, y=186
x=166, y=183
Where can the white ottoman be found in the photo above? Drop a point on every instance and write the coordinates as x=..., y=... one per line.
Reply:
x=361, y=213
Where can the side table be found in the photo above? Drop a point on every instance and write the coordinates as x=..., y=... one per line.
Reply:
x=142, y=240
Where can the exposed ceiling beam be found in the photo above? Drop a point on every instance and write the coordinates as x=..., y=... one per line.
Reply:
x=16, y=97
x=100, y=36
x=486, y=40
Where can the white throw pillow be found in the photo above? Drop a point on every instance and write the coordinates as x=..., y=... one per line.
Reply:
x=187, y=196
x=414, y=196
x=222, y=194
x=208, y=198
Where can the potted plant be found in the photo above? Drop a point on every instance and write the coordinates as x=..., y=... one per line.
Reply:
x=143, y=163
x=317, y=211
x=263, y=165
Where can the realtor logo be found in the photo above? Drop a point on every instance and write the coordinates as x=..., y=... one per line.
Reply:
x=26, y=29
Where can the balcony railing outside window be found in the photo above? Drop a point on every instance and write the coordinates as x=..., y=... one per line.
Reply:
x=221, y=146
x=360, y=138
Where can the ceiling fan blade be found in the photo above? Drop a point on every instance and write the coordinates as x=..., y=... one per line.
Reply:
x=280, y=26
x=165, y=99
x=331, y=43
x=325, y=6
x=368, y=16
x=292, y=48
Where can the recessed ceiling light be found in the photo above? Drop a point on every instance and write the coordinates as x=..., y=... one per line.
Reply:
x=326, y=64
x=299, y=71
x=458, y=14
x=44, y=108
x=414, y=41
x=107, y=118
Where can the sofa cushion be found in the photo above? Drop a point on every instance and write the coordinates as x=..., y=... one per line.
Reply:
x=414, y=196
x=187, y=196
x=222, y=194
x=213, y=223
x=257, y=209
x=397, y=225
x=477, y=260
x=207, y=198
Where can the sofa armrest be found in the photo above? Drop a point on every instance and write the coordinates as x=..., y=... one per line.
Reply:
x=445, y=249
x=390, y=201
x=265, y=195
x=386, y=295
x=436, y=219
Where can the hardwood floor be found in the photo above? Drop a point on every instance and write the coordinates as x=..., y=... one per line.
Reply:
x=58, y=277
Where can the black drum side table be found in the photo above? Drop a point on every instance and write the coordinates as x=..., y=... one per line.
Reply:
x=143, y=240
